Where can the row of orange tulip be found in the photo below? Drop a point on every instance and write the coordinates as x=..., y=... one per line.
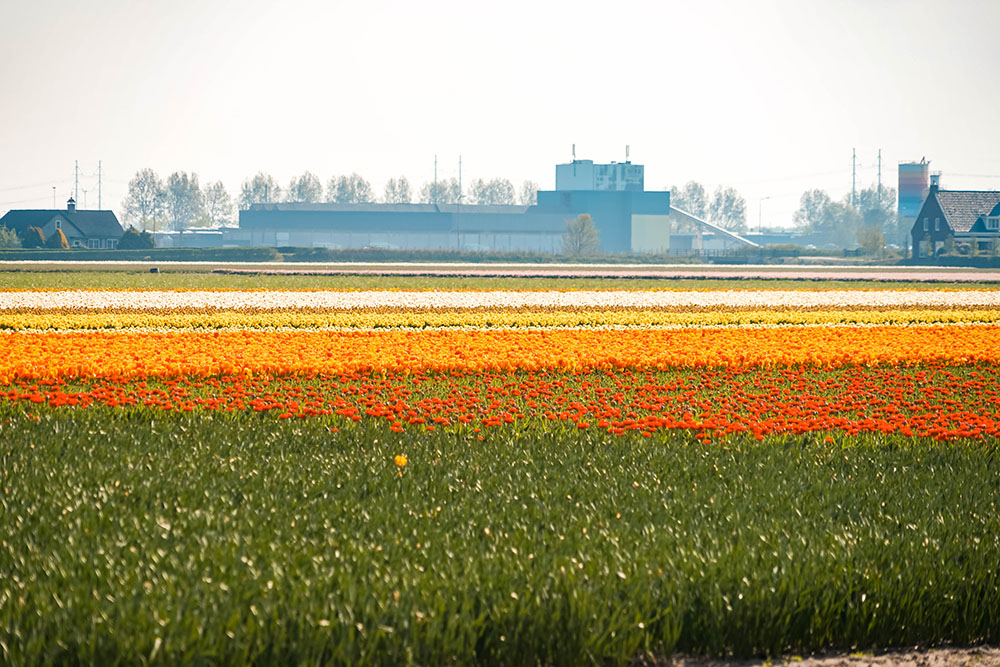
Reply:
x=125, y=354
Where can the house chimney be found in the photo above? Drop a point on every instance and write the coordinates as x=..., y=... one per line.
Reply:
x=935, y=181
x=71, y=204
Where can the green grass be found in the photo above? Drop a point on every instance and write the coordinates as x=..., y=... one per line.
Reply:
x=136, y=537
x=205, y=280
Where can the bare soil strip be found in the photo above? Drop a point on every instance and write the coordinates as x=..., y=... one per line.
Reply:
x=982, y=656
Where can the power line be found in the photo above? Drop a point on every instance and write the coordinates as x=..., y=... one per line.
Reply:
x=28, y=187
x=24, y=201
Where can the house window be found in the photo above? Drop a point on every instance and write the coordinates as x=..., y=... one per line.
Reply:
x=927, y=224
x=937, y=224
x=94, y=243
x=993, y=222
x=58, y=223
x=112, y=243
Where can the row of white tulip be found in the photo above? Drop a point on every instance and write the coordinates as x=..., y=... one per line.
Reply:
x=336, y=300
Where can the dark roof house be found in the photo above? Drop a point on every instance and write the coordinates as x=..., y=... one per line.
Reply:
x=961, y=208
x=87, y=229
x=955, y=214
x=987, y=223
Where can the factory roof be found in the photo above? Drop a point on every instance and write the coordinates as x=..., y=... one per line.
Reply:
x=371, y=207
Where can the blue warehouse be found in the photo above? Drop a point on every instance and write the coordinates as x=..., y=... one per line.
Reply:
x=628, y=219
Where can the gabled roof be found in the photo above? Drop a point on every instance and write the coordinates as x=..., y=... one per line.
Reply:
x=961, y=208
x=98, y=224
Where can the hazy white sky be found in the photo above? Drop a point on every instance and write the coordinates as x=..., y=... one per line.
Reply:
x=767, y=96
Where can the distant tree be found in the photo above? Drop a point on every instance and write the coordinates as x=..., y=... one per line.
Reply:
x=502, y=192
x=8, y=238
x=840, y=221
x=433, y=193
x=218, y=204
x=261, y=189
x=57, y=241
x=33, y=238
x=133, y=239
x=351, y=189
x=871, y=240
x=498, y=191
x=477, y=192
x=878, y=208
x=185, y=204
x=306, y=188
x=397, y=191
x=690, y=199
x=728, y=209
x=145, y=203
x=580, y=238
x=446, y=191
x=529, y=193
x=812, y=210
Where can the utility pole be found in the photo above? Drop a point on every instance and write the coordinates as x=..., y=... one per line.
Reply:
x=76, y=178
x=880, y=175
x=98, y=185
x=458, y=218
x=434, y=195
x=760, y=208
x=854, y=173
x=84, y=199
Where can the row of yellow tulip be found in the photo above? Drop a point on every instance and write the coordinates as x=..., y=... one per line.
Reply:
x=505, y=318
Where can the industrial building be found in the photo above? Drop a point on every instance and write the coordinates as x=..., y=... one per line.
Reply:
x=585, y=175
x=628, y=219
x=914, y=185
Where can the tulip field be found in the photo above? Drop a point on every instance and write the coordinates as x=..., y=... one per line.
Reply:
x=499, y=476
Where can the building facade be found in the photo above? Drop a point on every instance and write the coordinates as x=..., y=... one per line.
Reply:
x=626, y=221
x=585, y=175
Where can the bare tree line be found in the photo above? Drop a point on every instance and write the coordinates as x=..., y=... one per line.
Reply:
x=726, y=208
x=868, y=217
x=180, y=202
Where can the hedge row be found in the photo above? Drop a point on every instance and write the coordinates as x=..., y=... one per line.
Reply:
x=739, y=255
x=155, y=254
x=290, y=254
